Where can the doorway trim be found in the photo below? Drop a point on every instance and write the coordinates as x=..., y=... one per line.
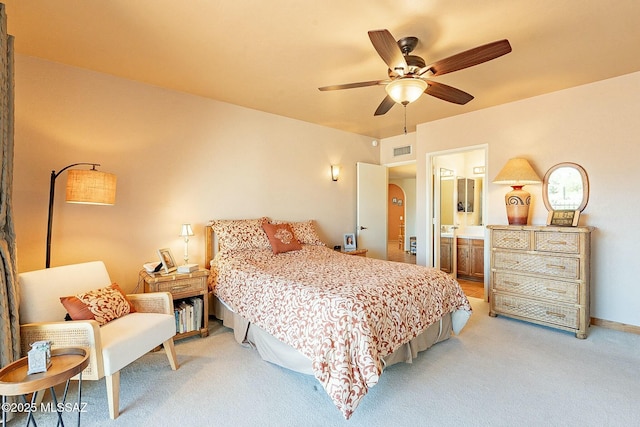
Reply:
x=433, y=207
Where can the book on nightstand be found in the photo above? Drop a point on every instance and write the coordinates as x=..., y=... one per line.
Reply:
x=187, y=268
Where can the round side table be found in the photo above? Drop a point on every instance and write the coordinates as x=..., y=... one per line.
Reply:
x=65, y=364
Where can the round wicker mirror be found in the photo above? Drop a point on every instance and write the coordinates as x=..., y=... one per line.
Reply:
x=565, y=187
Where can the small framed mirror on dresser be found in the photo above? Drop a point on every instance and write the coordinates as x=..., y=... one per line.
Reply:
x=565, y=191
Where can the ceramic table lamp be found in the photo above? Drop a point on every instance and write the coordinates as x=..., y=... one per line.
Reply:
x=517, y=173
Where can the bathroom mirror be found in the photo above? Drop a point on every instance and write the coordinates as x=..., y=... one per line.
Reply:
x=465, y=195
x=446, y=201
x=565, y=187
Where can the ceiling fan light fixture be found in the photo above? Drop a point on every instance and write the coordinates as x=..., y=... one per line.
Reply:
x=406, y=90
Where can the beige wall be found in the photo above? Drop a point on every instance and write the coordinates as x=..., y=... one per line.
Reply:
x=181, y=158
x=178, y=158
x=594, y=125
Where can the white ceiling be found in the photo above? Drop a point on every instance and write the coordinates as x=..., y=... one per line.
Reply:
x=273, y=55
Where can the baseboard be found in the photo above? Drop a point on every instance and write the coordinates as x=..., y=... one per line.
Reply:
x=623, y=327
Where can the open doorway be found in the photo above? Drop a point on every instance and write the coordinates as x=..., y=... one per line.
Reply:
x=401, y=208
x=458, y=233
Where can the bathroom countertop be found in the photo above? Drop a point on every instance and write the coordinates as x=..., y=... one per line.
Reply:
x=463, y=236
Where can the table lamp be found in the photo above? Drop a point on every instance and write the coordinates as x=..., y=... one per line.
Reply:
x=517, y=173
x=186, y=232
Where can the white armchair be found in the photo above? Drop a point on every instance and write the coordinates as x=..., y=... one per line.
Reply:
x=111, y=346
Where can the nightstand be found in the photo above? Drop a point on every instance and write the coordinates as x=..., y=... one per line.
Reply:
x=356, y=252
x=189, y=292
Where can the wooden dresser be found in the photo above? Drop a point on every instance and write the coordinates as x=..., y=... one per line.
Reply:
x=541, y=274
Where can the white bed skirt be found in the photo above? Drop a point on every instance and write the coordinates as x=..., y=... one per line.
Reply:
x=275, y=351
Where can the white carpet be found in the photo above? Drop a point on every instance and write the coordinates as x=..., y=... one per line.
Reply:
x=497, y=372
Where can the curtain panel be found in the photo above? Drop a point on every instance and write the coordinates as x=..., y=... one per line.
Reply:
x=9, y=298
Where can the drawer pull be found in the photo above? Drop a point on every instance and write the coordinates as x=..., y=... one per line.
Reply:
x=507, y=282
x=560, y=267
x=557, y=291
x=558, y=242
x=179, y=287
x=558, y=315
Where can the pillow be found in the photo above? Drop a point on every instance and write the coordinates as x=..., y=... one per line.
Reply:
x=102, y=305
x=241, y=233
x=281, y=238
x=305, y=232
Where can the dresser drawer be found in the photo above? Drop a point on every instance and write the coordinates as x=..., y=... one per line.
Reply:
x=560, y=315
x=554, y=266
x=511, y=239
x=557, y=242
x=549, y=289
x=178, y=287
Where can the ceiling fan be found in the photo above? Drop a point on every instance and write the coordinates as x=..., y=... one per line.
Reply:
x=408, y=73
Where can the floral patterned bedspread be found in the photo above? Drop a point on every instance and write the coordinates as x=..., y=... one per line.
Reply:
x=343, y=312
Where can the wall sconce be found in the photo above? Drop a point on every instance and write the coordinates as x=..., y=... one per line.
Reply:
x=478, y=170
x=446, y=172
x=335, y=172
x=90, y=187
x=186, y=231
x=517, y=173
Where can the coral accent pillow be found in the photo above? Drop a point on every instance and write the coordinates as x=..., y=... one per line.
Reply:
x=102, y=305
x=281, y=238
x=305, y=232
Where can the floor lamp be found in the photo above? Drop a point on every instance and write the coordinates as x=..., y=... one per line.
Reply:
x=83, y=186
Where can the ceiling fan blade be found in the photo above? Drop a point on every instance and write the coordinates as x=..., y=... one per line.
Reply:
x=469, y=58
x=353, y=85
x=388, y=49
x=384, y=106
x=447, y=93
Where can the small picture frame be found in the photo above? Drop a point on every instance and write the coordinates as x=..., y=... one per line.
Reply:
x=563, y=218
x=349, y=242
x=168, y=263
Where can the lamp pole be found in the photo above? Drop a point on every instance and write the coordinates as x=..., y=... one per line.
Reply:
x=52, y=190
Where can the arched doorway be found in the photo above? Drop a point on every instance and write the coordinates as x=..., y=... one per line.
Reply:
x=398, y=237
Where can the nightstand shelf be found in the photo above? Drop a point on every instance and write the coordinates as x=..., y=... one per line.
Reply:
x=182, y=287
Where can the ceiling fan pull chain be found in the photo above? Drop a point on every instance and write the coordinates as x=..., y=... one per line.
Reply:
x=405, y=119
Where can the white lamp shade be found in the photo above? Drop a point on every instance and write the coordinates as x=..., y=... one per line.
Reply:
x=186, y=231
x=406, y=90
x=91, y=187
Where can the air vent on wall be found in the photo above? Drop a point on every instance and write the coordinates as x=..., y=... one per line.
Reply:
x=401, y=151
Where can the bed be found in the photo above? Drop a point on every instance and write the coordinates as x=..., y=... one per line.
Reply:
x=308, y=308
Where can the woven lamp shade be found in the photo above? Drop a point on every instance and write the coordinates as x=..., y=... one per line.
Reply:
x=91, y=187
x=517, y=172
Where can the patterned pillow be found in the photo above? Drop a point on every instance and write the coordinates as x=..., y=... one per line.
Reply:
x=102, y=305
x=305, y=232
x=281, y=238
x=241, y=233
